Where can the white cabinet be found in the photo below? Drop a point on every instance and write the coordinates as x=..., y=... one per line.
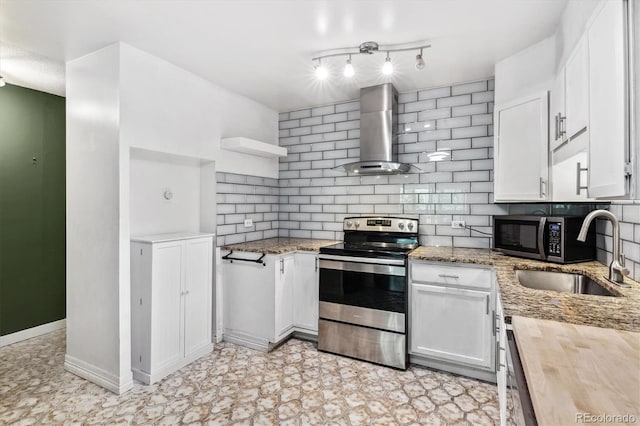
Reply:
x=284, y=287
x=451, y=316
x=171, y=296
x=576, y=90
x=608, y=102
x=258, y=299
x=570, y=178
x=305, y=293
x=522, y=150
x=557, y=112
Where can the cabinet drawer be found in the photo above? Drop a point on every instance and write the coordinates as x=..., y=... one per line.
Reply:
x=460, y=276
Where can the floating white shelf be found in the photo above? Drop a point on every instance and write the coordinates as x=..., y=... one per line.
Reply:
x=253, y=147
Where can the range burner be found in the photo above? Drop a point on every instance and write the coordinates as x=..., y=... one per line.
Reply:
x=363, y=290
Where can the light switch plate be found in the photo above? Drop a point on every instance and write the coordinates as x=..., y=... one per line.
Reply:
x=248, y=223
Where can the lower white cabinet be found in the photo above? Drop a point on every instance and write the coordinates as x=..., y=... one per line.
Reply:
x=306, y=293
x=452, y=317
x=171, y=296
x=264, y=304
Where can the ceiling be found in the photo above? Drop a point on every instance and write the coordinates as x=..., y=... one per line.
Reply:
x=263, y=48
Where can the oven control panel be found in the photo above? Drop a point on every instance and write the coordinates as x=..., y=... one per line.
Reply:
x=381, y=224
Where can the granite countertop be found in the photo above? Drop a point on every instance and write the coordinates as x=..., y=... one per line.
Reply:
x=280, y=245
x=622, y=312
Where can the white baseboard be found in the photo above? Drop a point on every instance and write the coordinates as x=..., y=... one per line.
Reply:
x=474, y=372
x=150, y=378
x=32, y=332
x=115, y=384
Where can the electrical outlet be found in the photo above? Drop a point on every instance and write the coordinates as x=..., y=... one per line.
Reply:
x=457, y=224
x=248, y=223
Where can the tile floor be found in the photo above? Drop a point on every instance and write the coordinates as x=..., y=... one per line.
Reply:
x=295, y=384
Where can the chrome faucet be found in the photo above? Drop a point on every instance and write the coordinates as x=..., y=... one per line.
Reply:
x=617, y=270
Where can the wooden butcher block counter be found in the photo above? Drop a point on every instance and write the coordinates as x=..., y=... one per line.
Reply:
x=578, y=370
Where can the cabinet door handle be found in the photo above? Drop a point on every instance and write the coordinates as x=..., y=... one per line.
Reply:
x=282, y=266
x=495, y=327
x=543, y=191
x=448, y=276
x=557, y=127
x=487, y=310
x=561, y=125
x=580, y=169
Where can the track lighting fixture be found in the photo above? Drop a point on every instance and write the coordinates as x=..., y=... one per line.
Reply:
x=348, y=68
x=369, y=48
x=321, y=71
x=387, y=68
x=419, y=61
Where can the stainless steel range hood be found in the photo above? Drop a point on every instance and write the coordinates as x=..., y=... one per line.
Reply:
x=378, y=135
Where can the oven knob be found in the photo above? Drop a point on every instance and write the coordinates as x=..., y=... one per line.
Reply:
x=357, y=224
x=401, y=225
x=349, y=223
x=410, y=226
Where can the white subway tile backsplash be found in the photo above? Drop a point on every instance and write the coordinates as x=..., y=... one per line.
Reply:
x=324, y=110
x=440, y=92
x=303, y=113
x=454, y=101
x=476, y=86
x=348, y=106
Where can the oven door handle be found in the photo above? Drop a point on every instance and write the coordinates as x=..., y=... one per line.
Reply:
x=373, y=260
x=366, y=268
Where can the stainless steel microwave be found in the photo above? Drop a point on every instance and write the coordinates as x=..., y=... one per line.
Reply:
x=549, y=238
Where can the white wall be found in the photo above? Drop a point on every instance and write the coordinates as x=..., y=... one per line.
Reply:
x=98, y=310
x=151, y=176
x=120, y=98
x=168, y=109
x=527, y=72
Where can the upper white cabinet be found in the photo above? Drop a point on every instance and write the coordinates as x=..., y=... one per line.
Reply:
x=557, y=112
x=608, y=102
x=522, y=149
x=576, y=91
x=570, y=178
x=171, y=296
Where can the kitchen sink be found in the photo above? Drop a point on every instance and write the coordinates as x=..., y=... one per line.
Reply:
x=561, y=281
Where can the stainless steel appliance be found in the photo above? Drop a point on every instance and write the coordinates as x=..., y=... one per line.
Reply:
x=378, y=133
x=363, y=290
x=521, y=406
x=550, y=238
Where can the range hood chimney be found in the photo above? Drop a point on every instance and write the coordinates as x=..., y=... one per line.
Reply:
x=378, y=135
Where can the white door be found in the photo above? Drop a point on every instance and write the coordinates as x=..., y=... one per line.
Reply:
x=577, y=90
x=197, y=293
x=451, y=324
x=305, y=292
x=556, y=111
x=166, y=300
x=522, y=149
x=608, y=113
x=285, y=276
x=570, y=178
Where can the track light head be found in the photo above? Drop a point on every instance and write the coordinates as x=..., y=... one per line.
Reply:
x=420, y=64
x=321, y=71
x=387, y=68
x=348, y=68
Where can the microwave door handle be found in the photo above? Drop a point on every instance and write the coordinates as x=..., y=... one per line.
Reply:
x=541, y=228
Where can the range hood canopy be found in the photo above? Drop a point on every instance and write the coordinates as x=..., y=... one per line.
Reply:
x=378, y=135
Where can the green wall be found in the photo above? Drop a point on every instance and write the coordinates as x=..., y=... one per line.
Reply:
x=32, y=208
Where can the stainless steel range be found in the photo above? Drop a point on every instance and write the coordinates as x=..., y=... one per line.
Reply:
x=363, y=290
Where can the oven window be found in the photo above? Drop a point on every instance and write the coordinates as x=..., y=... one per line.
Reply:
x=517, y=235
x=367, y=290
